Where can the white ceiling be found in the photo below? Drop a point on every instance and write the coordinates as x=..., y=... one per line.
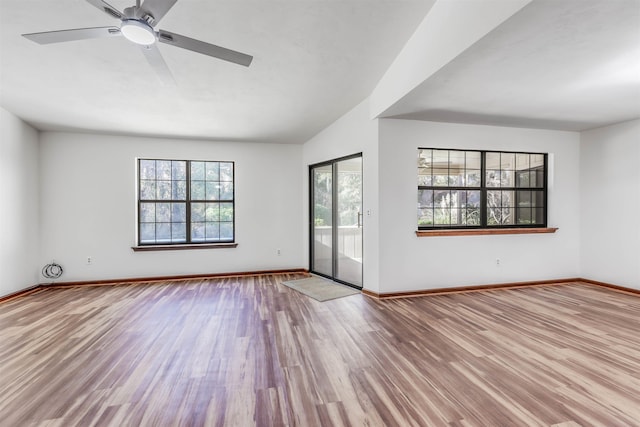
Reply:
x=556, y=64
x=313, y=61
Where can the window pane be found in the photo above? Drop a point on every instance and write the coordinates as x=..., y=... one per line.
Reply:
x=213, y=190
x=212, y=171
x=537, y=161
x=425, y=198
x=472, y=217
x=178, y=170
x=147, y=212
x=506, y=178
x=508, y=216
x=456, y=162
x=424, y=158
x=425, y=216
x=226, y=231
x=178, y=212
x=537, y=199
x=147, y=169
x=522, y=161
x=424, y=176
x=473, y=159
x=442, y=198
x=472, y=199
x=456, y=217
x=226, y=191
x=522, y=178
x=508, y=161
x=163, y=212
x=163, y=169
x=197, y=231
x=524, y=216
x=179, y=190
x=508, y=199
x=212, y=212
x=456, y=178
x=197, y=212
x=494, y=198
x=163, y=232
x=164, y=190
x=147, y=190
x=226, y=171
x=442, y=216
x=537, y=216
x=440, y=177
x=442, y=201
x=440, y=159
x=524, y=199
x=499, y=216
x=197, y=190
x=178, y=232
x=493, y=161
x=493, y=178
x=212, y=230
x=197, y=171
x=147, y=233
x=473, y=178
x=537, y=177
x=226, y=211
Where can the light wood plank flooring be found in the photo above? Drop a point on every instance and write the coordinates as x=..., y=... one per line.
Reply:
x=249, y=351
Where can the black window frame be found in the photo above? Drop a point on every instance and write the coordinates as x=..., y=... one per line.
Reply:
x=484, y=189
x=188, y=201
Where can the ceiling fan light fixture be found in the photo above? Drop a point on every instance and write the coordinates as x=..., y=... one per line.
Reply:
x=138, y=32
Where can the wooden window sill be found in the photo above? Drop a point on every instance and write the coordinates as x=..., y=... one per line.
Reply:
x=183, y=247
x=484, y=231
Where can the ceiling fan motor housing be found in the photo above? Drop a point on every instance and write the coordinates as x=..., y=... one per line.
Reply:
x=138, y=31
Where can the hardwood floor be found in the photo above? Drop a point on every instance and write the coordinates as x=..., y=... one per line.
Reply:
x=249, y=351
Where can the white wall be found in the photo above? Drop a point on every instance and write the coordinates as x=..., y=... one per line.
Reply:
x=610, y=203
x=352, y=133
x=19, y=261
x=89, y=206
x=410, y=263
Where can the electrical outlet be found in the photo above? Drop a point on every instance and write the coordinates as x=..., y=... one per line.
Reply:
x=497, y=262
x=278, y=252
x=89, y=260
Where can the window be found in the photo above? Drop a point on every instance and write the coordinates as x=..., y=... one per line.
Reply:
x=481, y=189
x=185, y=202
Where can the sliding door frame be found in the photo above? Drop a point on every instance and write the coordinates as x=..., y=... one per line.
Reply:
x=334, y=216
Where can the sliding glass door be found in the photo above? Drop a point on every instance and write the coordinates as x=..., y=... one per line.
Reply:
x=336, y=219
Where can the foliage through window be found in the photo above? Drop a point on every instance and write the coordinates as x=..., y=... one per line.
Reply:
x=481, y=189
x=185, y=202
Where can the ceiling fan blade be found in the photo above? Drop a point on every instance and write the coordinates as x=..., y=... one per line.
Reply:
x=71, y=35
x=204, y=48
x=155, y=59
x=156, y=8
x=107, y=8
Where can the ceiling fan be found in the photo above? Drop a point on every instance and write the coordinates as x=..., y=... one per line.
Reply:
x=137, y=25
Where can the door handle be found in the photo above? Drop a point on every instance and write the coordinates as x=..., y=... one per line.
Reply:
x=359, y=219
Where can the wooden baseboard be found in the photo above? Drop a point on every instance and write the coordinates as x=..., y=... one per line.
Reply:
x=473, y=288
x=114, y=282
x=20, y=293
x=134, y=280
x=390, y=295
x=613, y=287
